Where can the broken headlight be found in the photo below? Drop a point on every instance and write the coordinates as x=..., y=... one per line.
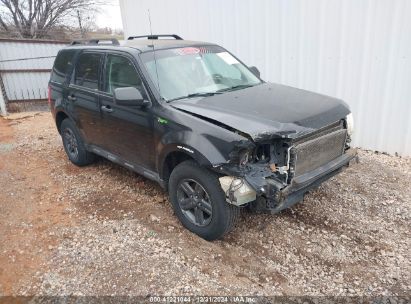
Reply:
x=350, y=124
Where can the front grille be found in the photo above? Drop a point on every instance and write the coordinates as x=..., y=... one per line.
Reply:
x=318, y=151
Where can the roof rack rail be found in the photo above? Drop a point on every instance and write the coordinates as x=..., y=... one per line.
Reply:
x=155, y=37
x=113, y=41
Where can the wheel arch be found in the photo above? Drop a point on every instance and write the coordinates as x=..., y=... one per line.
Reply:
x=60, y=116
x=176, y=154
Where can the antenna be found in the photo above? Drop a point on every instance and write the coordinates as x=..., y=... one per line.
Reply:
x=154, y=53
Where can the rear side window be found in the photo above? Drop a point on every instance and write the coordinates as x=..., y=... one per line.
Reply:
x=87, y=70
x=62, y=66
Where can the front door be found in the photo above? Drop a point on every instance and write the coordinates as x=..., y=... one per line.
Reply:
x=130, y=128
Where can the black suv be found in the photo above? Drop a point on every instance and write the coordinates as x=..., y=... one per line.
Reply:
x=194, y=118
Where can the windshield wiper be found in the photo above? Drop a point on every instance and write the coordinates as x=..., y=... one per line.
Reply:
x=200, y=94
x=236, y=87
x=205, y=94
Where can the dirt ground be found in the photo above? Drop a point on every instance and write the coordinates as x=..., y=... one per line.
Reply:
x=103, y=230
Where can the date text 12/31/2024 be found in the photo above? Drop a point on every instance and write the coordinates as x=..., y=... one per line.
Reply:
x=202, y=299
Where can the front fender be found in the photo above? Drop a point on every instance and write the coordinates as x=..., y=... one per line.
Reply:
x=205, y=149
x=208, y=143
x=197, y=147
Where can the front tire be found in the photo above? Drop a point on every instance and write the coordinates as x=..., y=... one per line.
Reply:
x=199, y=202
x=74, y=145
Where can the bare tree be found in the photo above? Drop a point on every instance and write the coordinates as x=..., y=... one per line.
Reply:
x=85, y=22
x=35, y=18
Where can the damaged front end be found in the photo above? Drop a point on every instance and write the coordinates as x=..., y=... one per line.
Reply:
x=275, y=172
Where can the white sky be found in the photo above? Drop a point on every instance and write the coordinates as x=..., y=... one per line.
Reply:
x=110, y=16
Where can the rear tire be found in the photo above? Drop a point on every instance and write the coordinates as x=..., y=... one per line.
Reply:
x=193, y=190
x=74, y=145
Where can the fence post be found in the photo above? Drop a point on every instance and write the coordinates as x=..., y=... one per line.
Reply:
x=3, y=97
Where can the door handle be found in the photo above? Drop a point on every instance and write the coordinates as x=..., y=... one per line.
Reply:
x=71, y=98
x=107, y=109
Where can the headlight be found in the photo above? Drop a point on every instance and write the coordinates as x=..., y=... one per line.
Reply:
x=350, y=124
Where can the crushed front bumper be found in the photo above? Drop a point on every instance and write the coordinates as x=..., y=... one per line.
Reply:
x=271, y=199
x=272, y=196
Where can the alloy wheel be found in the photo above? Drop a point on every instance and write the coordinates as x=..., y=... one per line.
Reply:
x=194, y=202
x=71, y=143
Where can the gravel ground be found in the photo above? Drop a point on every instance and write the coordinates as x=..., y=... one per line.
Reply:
x=103, y=230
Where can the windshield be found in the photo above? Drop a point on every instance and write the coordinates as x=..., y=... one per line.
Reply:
x=195, y=71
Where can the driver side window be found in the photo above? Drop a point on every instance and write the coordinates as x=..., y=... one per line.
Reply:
x=120, y=73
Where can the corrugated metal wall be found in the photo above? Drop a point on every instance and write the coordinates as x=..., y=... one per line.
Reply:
x=25, y=74
x=357, y=50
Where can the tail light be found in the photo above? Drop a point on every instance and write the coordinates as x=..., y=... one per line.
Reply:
x=49, y=95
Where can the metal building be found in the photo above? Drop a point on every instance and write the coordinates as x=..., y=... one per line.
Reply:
x=356, y=50
x=25, y=67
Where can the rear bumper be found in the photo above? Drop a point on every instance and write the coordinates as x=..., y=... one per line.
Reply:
x=276, y=200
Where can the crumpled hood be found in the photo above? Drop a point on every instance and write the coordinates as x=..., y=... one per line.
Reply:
x=268, y=110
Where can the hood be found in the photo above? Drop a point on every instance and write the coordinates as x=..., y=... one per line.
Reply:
x=268, y=110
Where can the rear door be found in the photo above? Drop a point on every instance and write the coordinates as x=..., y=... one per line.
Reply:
x=62, y=68
x=130, y=128
x=83, y=95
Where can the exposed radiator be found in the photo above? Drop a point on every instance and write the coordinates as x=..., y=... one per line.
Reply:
x=317, y=151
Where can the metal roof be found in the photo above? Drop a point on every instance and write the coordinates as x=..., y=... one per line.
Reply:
x=147, y=44
x=141, y=45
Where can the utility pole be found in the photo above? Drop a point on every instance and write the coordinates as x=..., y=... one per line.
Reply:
x=3, y=97
x=82, y=32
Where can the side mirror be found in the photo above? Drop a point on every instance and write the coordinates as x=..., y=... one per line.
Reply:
x=129, y=96
x=255, y=71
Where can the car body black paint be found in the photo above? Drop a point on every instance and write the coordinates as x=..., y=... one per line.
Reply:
x=269, y=110
x=211, y=130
